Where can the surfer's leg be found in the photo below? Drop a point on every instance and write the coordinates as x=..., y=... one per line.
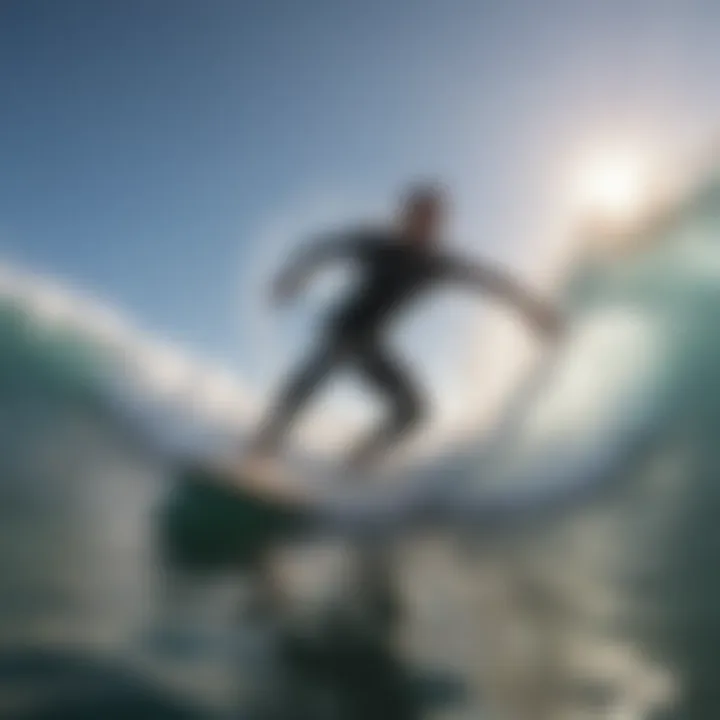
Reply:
x=295, y=394
x=394, y=382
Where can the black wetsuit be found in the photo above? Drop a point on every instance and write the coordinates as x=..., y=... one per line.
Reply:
x=393, y=272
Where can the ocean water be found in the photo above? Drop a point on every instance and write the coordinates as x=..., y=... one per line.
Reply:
x=592, y=595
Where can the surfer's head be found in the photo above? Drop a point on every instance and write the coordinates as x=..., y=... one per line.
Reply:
x=422, y=213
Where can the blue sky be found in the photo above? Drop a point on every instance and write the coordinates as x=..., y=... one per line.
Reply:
x=147, y=146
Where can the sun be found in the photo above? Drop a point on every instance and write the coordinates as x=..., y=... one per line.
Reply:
x=612, y=186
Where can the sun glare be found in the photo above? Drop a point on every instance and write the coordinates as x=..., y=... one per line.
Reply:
x=612, y=187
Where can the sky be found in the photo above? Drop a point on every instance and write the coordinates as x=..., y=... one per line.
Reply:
x=164, y=155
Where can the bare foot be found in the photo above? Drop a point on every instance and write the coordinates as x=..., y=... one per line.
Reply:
x=267, y=475
x=260, y=468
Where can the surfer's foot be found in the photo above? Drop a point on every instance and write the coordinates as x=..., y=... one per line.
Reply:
x=257, y=464
x=261, y=463
x=369, y=455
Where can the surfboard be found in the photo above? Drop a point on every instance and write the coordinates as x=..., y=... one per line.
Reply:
x=220, y=517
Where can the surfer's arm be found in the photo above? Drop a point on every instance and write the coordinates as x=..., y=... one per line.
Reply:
x=311, y=257
x=539, y=313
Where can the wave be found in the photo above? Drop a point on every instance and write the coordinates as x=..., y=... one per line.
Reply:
x=609, y=606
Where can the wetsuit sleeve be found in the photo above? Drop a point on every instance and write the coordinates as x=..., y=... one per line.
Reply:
x=327, y=248
x=504, y=287
x=312, y=255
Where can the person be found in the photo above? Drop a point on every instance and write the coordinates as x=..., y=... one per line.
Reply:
x=396, y=264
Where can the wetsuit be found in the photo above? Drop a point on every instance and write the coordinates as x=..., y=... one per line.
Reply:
x=393, y=272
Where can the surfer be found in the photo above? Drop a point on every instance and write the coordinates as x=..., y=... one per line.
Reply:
x=396, y=264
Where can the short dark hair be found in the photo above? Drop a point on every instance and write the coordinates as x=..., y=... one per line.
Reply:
x=424, y=193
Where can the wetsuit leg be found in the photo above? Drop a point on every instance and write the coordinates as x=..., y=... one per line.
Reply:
x=393, y=381
x=295, y=394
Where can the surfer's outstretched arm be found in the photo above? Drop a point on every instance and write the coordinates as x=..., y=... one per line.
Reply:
x=503, y=286
x=311, y=257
